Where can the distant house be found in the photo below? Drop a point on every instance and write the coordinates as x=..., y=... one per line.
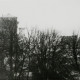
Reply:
x=68, y=44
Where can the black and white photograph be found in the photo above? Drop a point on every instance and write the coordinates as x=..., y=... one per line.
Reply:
x=39, y=39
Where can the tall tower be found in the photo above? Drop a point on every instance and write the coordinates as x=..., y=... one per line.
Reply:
x=8, y=29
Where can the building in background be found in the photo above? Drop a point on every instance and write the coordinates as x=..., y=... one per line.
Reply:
x=8, y=32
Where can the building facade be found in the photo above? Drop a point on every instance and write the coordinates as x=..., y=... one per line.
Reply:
x=8, y=31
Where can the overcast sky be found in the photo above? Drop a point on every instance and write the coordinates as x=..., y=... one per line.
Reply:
x=62, y=15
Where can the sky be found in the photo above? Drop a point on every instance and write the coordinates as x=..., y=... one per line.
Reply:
x=61, y=15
